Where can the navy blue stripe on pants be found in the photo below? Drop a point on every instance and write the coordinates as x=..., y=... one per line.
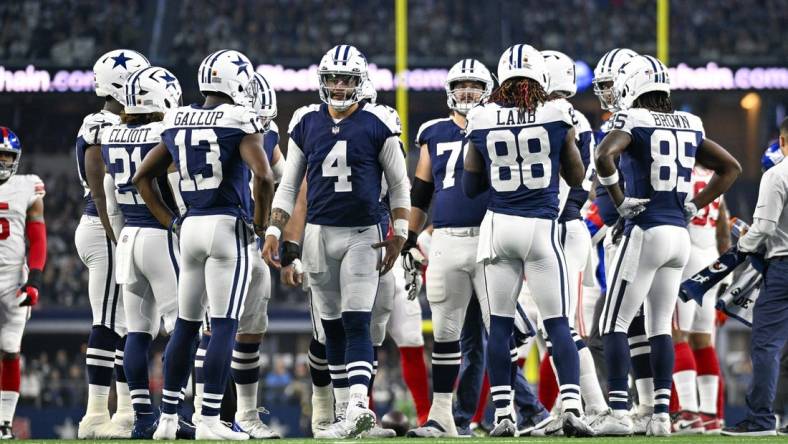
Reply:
x=769, y=333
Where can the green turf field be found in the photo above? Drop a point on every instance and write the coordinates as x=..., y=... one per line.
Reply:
x=632, y=440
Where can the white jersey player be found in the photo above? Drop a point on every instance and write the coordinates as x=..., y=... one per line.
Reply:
x=697, y=371
x=21, y=271
x=95, y=244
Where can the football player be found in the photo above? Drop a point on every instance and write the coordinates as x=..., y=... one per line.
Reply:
x=96, y=248
x=344, y=149
x=696, y=374
x=658, y=147
x=453, y=275
x=21, y=272
x=149, y=278
x=516, y=145
x=216, y=147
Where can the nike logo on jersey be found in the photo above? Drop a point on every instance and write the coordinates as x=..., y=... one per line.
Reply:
x=365, y=229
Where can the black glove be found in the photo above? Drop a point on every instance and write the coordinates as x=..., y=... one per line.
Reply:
x=290, y=252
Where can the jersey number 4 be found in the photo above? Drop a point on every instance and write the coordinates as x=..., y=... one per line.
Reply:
x=532, y=146
x=189, y=142
x=335, y=165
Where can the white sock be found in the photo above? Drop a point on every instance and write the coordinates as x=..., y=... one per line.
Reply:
x=589, y=383
x=98, y=400
x=8, y=400
x=341, y=397
x=441, y=406
x=645, y=388
x=199, y=389
x=687, y=389
x=247, y=397
x=708, y=388
x=124, y=398
x=359, y=394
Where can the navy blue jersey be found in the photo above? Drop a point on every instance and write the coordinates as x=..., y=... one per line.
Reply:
x=343, y=172
x=450, y=206
x=123, y=148
x=521, y=153
x=658, y=163
x=607, y=209
x=204, y=144
x=90, y=133
x=271, y=141
x=584, y=138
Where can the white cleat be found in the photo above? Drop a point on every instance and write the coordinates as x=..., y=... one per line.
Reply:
x=322, y=409
x=335, y=430
x=211, y=428
x=612, y=423
x=359, y=420
x=640, y=423
x=659, y=425
x=550, y=426
x=95, y=426
x=249, y=421
x=378, y=432
x=167, y=428
x=576, y=426
x=504, y=427
x=121, y=425
x=430, y=429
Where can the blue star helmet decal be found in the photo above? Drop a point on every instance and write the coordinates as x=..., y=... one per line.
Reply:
x=169, y=79
x=241, y=64
x=120, y=60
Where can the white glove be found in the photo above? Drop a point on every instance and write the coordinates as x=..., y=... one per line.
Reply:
x=690, y=211
x=412, y=263
x=631, y=207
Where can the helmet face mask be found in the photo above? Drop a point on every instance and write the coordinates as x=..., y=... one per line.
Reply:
x=10, y=153
x=341, y=74
x=603, y=89
x=260, y=96
x=368, y=91
x=605, y=74
x=468, y=84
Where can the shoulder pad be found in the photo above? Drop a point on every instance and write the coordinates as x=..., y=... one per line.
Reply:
x=424, y=126
x=480, y=117
x=385, y=114
x=556, y=111
x=299, y=114
x=93, y=126
x=34, y=182
x=242, y=117
x=631, y=118
x=273, y=127
x=695, y=122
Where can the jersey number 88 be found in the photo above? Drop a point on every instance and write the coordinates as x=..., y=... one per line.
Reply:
x=532, y=146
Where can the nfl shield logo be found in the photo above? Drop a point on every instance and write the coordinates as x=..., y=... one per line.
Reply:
x=335, y=130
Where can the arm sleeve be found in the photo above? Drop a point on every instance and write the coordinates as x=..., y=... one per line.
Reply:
x=116, y=219
x=295, y=165
x=278, y=169
x=396, y=173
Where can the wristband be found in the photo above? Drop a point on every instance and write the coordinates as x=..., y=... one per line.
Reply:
x=35, y=278
x=273, y=231
x=400, y=228
x=609, y=180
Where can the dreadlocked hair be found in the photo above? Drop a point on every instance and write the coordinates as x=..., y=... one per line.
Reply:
x=658, y=101
x=140, y=119
x=522, y=93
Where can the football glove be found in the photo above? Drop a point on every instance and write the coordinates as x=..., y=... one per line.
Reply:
x=690, y=211
x=413, y=262
x=631, y=207
x=27, y=295
x=291, y=252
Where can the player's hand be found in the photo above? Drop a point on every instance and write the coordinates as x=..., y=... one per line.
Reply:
x=27, y=295
x=690, y=211
x=631, y=207
x=393, y=247
x=293, y=275
x=271, y=252
x=412, y=263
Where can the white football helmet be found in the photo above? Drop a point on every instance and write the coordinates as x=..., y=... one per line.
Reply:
x=345, y=64
x=227, y=72
x=368, y=91
x=640, y=75
x=467, y=70
x=522, y=61
x=113, y=69
x=261, y=97
x=561, y=73
x=605, y=74
x=152, y=90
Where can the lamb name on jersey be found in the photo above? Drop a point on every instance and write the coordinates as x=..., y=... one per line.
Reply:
x=203, y=143
x=123, y=148
x=17, y=194
x=91, y=133
x=658, y=164
x=702, y=227
x=450, y=207
x=342, y=168
x=522, y=151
